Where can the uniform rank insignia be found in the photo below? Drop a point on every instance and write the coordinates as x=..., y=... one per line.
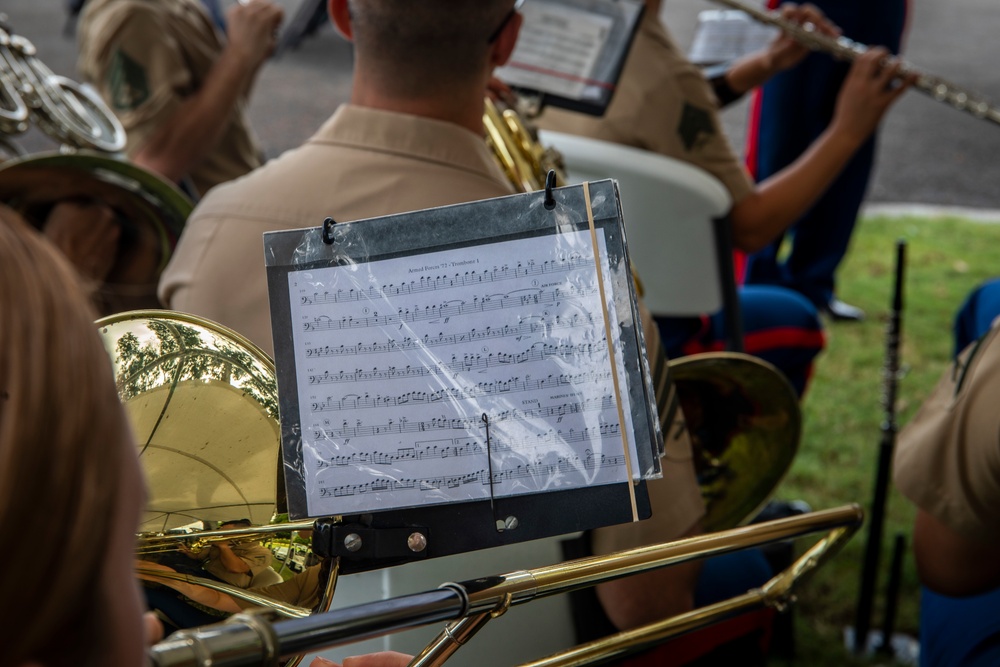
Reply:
x=694, y=123
x=127, y=81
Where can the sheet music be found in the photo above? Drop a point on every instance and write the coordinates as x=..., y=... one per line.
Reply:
x=423, y=379
x=557, y=50
x=723, y=35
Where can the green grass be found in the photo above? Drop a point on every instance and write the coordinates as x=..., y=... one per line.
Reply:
x=842, y=411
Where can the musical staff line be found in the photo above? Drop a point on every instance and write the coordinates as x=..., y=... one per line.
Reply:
x=355, y=402
x=403, y=426
x=447, y=310
x=477, y=362
x=469, y=363
x=512, y=385
x=481, y=477
x=428, y=284
x=524, y=328
x=468, y=447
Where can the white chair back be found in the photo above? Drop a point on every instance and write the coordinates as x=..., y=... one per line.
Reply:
x=669, y=207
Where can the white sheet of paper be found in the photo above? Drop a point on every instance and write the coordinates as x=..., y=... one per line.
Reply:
x=726, y=35
x=399, y=360
x=557, y=49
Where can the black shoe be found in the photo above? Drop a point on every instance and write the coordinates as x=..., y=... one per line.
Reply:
x=843, y=312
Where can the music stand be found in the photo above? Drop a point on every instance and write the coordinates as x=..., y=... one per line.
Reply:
x=462, y=377
x=570, y=53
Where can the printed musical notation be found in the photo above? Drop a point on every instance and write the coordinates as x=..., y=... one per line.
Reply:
x=481, y=477
x=456, y=376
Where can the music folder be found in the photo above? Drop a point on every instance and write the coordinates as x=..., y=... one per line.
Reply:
x=570, y=53
x=473, y=371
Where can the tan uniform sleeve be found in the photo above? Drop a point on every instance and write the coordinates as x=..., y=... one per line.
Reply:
x=665, y=105
x=257, y=559
x=141, y=74
x=947, y=459
x=675, y=498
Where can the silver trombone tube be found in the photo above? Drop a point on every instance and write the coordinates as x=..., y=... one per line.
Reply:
x=847, y=49
x=473, y=603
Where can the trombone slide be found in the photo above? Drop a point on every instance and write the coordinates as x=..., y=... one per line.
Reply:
x=248, y=639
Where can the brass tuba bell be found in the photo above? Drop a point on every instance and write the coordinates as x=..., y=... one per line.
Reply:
x=745, y=424
x=150, y=212
x=203, y=406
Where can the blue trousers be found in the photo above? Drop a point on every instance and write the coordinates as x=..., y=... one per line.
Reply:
x=794, y=108
x=780, y=326
x=959, y=632
x=976, y=315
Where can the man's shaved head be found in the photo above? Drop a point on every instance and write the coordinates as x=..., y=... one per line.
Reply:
x=422, y=47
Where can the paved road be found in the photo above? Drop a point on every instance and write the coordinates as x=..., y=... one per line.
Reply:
x=930, y=154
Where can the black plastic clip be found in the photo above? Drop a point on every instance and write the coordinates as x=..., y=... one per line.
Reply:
x=328, y=231
x=550, y=182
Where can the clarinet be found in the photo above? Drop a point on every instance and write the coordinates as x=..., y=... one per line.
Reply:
x=847, y=49
x=890, y=381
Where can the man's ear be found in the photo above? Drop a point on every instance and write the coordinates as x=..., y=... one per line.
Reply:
x=503, y=47
x=340, y=16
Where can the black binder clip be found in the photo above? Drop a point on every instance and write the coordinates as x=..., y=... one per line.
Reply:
x=550, y=182
x=328, y=231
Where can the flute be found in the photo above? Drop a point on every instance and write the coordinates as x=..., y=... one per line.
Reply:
x=847, y=49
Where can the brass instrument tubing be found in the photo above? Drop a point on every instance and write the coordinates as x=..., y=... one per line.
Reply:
x=481, y=596
x=452, y=638
x=775, y=593
x=572, y=575
x=61, y=108
x=282, y=609
x=160, y=543
x=847, y=49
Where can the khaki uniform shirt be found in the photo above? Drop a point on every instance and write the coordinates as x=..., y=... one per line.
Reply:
x=255, y=555
x=662, y=104
x=301, y=590
x=145, y=57
x=947, y=459
x=362, y=163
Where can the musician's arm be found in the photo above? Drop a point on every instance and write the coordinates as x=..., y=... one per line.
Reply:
x=651, y=596
x=783, y=53
x=206, y=596
x=779, y=201
x=230, y=560
x=677, y=508
x=951, y=564
x=197, y=123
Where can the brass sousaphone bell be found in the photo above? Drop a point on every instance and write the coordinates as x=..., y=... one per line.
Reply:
x=151, y=213
x=745, y=424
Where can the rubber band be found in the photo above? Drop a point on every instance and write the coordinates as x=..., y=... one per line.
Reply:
x=611, y=349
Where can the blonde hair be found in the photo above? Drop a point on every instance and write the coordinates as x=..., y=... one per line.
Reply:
x=61, y=429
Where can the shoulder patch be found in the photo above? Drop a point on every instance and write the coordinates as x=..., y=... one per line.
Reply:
x=694, y=124
x=127, y=82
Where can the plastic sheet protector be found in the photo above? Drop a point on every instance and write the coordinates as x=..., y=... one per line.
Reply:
x=472, y=354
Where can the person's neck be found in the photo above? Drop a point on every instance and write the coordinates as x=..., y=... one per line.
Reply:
x=464, y=108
